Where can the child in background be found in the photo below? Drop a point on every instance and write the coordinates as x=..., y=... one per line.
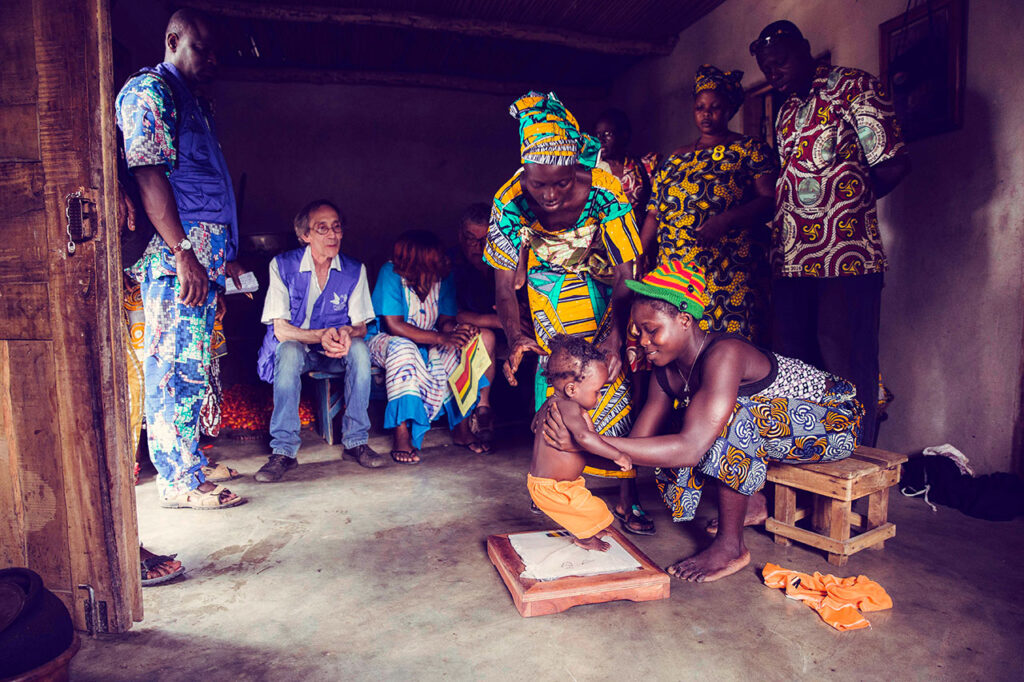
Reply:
x=577, y=371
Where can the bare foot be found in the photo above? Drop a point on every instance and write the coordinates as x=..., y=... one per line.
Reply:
x=712, y=564
x=757, y=514
x=592, y=543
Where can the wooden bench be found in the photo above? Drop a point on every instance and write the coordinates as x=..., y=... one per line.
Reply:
x=834, y=487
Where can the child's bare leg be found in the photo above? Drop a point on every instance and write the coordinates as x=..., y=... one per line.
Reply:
x=594, y=543
x=727, y=554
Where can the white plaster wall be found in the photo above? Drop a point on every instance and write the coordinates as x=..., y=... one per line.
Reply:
x=954, y=299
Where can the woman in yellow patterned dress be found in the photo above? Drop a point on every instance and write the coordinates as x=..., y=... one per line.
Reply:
x=709, y=202
x=564, y=229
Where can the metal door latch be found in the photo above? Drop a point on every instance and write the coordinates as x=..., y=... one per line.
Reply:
x=81, y=213
x=95, y=612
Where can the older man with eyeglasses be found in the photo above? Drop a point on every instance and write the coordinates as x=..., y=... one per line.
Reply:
x=316, y=311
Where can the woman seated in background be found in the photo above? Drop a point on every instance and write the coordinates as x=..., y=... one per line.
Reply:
x=709, y=203
x=615, y=132
x=741, y=406
x=418, y=347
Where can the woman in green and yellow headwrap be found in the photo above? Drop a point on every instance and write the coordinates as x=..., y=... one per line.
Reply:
x=565, y=229
x=709, y=202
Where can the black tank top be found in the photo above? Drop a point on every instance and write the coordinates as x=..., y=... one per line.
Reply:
x=745, y=390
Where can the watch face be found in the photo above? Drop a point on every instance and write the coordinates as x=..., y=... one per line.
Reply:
x=185, y=245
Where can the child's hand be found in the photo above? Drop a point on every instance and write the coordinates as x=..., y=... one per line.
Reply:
x=624, y=462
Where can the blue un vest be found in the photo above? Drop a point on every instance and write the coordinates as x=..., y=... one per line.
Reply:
x=329, y=310
x=200, y=178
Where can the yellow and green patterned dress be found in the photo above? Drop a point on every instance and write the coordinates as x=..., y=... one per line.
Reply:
x=690, y=188
x=569, y=274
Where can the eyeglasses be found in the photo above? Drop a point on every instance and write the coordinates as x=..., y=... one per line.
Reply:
x=327, y=229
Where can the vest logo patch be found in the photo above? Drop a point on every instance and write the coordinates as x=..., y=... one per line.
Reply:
x=339, y=302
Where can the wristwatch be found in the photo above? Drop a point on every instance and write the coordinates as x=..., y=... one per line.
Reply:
x=183, y=245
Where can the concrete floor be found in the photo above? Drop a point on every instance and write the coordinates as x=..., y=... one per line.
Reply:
x=341, y=573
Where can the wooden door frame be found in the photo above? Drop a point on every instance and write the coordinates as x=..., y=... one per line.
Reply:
x=66, y=483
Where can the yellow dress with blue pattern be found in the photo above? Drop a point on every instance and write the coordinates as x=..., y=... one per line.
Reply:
x=688, y=189
x=569, y=274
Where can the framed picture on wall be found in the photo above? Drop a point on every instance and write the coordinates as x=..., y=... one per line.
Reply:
x=923, y=55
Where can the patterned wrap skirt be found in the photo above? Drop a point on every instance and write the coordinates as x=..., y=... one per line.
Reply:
x=762, y=429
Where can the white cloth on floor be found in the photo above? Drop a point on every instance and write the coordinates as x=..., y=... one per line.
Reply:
x=549, y=555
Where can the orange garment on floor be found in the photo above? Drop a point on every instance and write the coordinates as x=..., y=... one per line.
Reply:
x=839, y=601
x=570, y=505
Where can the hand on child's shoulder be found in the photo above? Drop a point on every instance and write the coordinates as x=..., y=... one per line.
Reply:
x=541, y=415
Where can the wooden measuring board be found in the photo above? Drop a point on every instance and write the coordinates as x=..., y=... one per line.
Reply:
x=540, y=598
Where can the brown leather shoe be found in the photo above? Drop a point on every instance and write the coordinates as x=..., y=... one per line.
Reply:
x=365, y=455
x=275, y=468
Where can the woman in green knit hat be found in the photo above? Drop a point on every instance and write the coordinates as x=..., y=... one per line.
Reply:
x=741, y=406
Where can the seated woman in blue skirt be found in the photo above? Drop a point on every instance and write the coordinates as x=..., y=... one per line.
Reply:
x=419, y=345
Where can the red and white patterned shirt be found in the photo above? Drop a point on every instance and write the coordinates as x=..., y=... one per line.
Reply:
x=826, y=221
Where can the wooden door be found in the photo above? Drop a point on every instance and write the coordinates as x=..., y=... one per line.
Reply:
x=67, y=505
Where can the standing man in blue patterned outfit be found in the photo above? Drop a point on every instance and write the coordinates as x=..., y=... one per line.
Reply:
x=172, y=150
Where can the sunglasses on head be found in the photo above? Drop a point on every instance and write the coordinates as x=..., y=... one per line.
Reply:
x=779, y=36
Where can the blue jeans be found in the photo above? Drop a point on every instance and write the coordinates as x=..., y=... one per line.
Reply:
x=292, y=360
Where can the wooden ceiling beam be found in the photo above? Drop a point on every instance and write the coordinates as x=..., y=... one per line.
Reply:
x=397, y=79
x=423, y=22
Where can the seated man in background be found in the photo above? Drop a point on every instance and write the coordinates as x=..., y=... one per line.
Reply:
x=316, y=311
x=475, y=297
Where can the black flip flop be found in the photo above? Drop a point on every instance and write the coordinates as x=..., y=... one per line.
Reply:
x=412, y=453
x=487, y=449
x=148, y=564
x=636, y=512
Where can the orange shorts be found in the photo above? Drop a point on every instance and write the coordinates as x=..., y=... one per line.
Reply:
x=570, y=505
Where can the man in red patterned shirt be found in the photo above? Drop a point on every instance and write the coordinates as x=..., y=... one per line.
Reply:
x=840, y=150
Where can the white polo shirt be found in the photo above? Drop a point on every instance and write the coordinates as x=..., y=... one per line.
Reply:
x=276, y=306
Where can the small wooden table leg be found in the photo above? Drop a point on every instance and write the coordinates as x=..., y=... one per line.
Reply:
x=785, y=510
x=838, y=527
x=323, y=410
x=819, y=514
x=878, y=513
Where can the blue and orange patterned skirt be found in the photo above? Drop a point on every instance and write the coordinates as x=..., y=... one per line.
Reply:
x=762, y=429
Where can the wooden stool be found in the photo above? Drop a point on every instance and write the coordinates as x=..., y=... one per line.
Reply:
x=329, y=402
x=834, y=487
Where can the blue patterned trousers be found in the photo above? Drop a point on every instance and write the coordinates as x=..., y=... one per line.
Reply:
x=176, y=359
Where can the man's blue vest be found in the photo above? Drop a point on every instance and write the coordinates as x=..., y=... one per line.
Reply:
x=200, y=179
x=329, y=310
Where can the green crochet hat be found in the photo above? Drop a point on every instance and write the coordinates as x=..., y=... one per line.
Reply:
x=681, y=284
